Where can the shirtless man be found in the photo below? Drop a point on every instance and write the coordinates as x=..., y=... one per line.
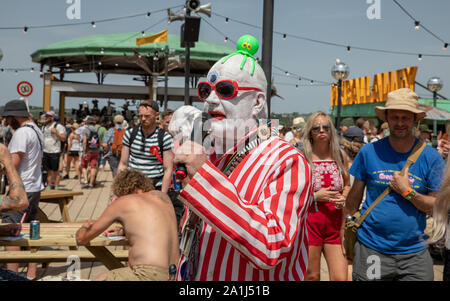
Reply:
x=14, y=200
x=149, y=223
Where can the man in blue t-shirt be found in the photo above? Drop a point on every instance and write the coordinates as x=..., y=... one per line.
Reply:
x=390, y=242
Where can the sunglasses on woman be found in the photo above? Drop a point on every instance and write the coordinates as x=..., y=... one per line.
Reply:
x=225, y=89
x=316, y=128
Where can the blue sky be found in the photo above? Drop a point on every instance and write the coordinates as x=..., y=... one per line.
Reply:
x=341, y=22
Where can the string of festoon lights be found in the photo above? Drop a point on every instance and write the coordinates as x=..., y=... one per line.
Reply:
x=418, y=25
x=93, y=24
x=83, y=67
x=303, y=81
x=347, y=47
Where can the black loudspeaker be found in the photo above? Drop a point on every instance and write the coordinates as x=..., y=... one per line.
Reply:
x=190, y=30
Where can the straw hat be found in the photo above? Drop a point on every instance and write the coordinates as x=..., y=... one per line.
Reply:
x=298, y=122
x=401, y=99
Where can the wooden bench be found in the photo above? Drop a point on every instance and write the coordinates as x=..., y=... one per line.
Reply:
x=44, y=256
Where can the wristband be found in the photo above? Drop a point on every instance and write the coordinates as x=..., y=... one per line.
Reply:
x=315, y=202
x=406, y=192
x=410, y=195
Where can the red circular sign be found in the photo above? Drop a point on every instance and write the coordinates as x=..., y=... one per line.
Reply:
x=24, y=89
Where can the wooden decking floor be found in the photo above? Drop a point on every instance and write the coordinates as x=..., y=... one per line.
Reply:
x=90, y=205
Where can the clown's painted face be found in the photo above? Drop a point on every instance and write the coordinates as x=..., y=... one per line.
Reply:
x=232, y=96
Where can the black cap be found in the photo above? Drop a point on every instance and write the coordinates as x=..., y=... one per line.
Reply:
x=150, y=103
x=354, y=133
x=16, y=108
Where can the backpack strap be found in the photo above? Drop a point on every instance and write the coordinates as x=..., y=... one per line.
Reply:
x=39, y=139
x=133, y=135
x=161, y=134
x=411, y=159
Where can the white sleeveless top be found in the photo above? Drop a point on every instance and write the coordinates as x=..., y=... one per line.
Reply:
x=76, y=145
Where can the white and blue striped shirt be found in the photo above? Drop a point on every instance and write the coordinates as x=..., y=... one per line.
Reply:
x=140, y=157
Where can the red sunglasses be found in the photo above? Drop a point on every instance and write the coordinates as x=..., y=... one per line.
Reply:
x=225, y=89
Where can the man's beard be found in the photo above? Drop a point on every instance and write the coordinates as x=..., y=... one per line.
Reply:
x=401, y=133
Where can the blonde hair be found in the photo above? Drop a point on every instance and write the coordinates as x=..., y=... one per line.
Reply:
x=441, y=209
x=334, y=147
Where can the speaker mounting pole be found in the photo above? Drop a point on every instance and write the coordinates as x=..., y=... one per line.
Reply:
x=189, y=35
x=267, y=42
x=187, y=65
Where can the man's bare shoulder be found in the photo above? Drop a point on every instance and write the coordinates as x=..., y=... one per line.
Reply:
x=146, y=196
x=158, y=194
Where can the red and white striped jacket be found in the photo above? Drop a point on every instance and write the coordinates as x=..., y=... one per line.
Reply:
x=254, y=222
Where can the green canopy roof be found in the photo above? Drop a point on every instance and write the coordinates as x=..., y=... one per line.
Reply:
x=118, y=53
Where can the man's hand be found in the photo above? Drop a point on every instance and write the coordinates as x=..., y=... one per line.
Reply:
x=10, y=230
x=445, y=148
x=400, y=183
x=114, y=231
x=192, y=155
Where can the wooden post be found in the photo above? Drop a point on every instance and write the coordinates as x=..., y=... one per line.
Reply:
x=62, y=106
x=48, y=77
x=150, y=87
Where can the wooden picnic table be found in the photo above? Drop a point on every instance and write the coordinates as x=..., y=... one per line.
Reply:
x=62, y=234
x=59, y=197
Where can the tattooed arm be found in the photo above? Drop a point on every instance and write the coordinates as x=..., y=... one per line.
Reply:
x=16, y=198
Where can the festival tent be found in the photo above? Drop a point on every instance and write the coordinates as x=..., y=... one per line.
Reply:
x=118, y=54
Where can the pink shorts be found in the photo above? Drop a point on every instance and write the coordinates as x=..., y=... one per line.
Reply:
x=324, y=226
x=91, y=158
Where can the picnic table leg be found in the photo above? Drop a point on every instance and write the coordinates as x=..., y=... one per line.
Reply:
x=106, y=257
x=41, y=216
x=65, y=211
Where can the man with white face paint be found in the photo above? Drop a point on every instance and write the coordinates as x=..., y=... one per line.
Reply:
x=248, y=197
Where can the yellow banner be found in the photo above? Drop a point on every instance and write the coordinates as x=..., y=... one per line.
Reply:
x=359, y=91
x=160, y=37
